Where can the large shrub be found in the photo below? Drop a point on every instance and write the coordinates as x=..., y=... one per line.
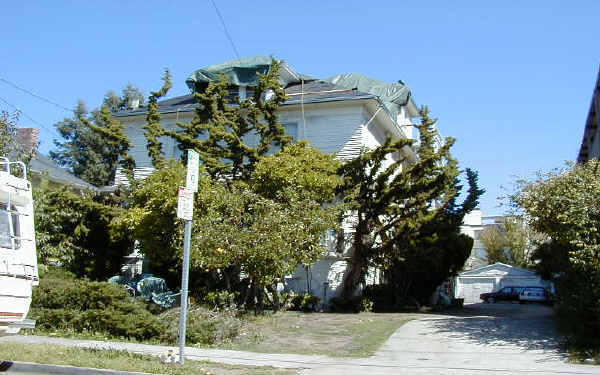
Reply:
x=62, y=302
x=564, y=206
x=75, y=230
x=65, y=304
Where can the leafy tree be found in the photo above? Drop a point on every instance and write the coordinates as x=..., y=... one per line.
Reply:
x=495, y=242
x=518, y=238
x=82, y=150
x=398, y=202
x=9, y=145
x=129, y=94
x=563, y=205
x=153, y=128
x=267, y=239
x=301, y=168
x=509, y=242
x=242, y=240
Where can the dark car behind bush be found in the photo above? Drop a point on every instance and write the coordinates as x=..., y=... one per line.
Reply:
x=508, y=293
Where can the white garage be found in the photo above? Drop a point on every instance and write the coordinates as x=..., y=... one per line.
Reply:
x=470, y=284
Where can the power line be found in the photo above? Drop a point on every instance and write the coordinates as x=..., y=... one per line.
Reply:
x=225, y=29
x=36, y=96
x=29, y=117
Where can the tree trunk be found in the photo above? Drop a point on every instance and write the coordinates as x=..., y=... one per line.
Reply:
x=273, y=290
x=259, y=291
x=357, y=263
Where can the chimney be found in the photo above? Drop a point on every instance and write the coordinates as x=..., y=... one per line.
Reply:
x=28, y=138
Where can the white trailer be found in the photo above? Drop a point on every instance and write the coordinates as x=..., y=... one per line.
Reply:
x=18, y=259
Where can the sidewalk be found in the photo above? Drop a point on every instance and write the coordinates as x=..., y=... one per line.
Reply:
x=232, y=357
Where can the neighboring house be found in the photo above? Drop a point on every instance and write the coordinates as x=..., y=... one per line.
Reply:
x=473, y=226
x=42, y=167
x=470, y=284
x=340, y=115
x=590, y=144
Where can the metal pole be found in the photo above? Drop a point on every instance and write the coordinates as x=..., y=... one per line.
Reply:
x=187, y=237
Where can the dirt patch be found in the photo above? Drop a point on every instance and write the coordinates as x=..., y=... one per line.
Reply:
x=339, y=335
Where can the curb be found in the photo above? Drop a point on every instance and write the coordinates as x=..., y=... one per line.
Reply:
x=11, y=367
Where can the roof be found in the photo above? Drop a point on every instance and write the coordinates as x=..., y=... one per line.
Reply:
x=591, y=127
x=498, y=269
x=243, y=71
x=316, y=91
x=42, y=164
x=392, y=95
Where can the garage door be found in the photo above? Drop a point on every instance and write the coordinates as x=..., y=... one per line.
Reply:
x=473, y=287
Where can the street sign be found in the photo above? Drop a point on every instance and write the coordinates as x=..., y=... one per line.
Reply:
x=193, y=164
x=185, y=203
x=185, y=210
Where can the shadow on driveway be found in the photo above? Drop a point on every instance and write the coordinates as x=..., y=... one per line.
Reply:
x=513, y=326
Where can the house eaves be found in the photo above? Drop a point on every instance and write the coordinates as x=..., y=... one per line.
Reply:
x=307, y=93
x=45, y=167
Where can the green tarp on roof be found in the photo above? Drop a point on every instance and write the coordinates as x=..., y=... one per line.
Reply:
x=393, y=95
x=242, y=72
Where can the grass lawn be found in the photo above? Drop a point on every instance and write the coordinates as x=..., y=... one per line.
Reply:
x=124, y=361
x=335, y=335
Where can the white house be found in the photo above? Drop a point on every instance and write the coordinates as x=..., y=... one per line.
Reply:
x=339, y=115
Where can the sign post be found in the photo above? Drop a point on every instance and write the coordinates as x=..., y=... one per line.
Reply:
x=185, y=211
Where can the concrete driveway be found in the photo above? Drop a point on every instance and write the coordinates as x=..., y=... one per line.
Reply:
x=482, y=339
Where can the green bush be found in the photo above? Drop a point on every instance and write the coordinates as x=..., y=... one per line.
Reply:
x=304, y=302
x=381, y=296
x=205, y=326
x=76, y=231
x=221, y=299
x=69, y=305
x=354, y=304
x=64, y=303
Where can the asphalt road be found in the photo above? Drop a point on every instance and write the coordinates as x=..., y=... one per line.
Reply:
x=484, y=339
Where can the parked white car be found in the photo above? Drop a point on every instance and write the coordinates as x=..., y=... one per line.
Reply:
x=533, y=294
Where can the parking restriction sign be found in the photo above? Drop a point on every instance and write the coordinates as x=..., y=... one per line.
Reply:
x=185, y=203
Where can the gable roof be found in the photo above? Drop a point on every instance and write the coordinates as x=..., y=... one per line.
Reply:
x=316, y=91
x=43, y=165
x=498, y=269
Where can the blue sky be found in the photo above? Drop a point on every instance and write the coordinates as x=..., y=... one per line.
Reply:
x=512, y=81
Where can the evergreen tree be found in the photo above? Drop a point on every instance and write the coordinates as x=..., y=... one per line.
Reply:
x=82, y=150
x=396, y=198
x=220, y=130
x=153, y=128
x=111, y=130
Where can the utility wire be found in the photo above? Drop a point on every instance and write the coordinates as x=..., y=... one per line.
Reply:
x=225, y=29
x=29, y=117
x=36, y=96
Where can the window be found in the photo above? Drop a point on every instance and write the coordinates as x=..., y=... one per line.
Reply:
x=177, y=152
x=291, y=129
x=9, y=227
